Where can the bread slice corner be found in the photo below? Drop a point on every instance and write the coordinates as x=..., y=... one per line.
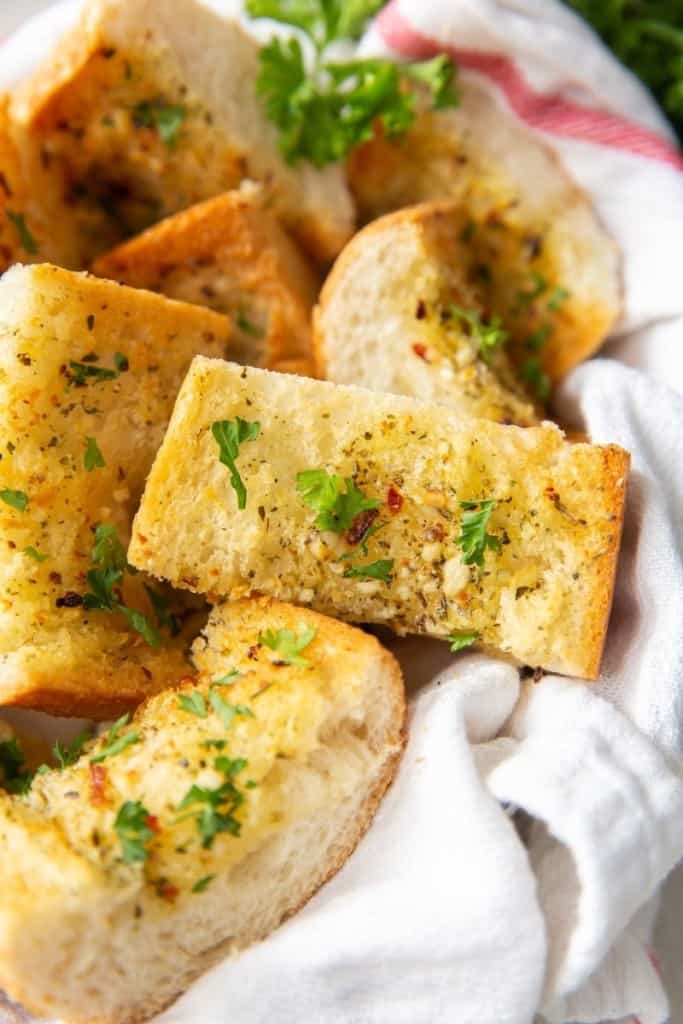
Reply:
x=230, y=254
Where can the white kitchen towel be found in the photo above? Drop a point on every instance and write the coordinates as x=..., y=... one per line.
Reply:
x=447, y=913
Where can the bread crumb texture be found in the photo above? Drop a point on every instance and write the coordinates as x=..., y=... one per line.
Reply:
x=255, y=780
x=89, y=372
x=543, y=590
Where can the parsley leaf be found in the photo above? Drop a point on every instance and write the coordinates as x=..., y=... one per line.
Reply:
x=532, y=372
x=81, y=373
x=203, y=883
x=336, y=509
x=15, y=499
x=538, y=287
x=227, y=712
x=65, y=756
x=557, y=298
x=166, y=118
x=93, y=458
x=115, y=741
x=474, y=539
x=131, y=825
x=321, y=20
x=219, y=804
x=229, y=435
x=193, y=703
x=288, y=644
x=463, y=638
x=248, y=326
x=324, y=113
x=488, y=336
x=227, y=680
x=26, y=239
x=381, y=570
x=13, y=776
x=35, y=555
x=109, y=559
x=438, y=74
x=165, y=618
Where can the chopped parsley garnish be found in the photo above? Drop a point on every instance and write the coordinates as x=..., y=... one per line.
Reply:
x=337, y=509
x=27, y=240
x=13, y=775
x=93, y=458
x=324, y=113
x=132, y=828
x=110, y=564
x=462, y=639
x=162, y=609
x=203, y=883
x=193, y=703
x=66, y=755
x=288, y=644
x=229, y=435
x=31, y=552
x=81, y=373
x=247, y=326
x=532, y=372
x=538, y=287
x=488, y=336
x=557, y=297
x=227, y=712
x=115, y=741
x=228, y=679
x=15, y=499
x=121, y=362
x=380, y=570
x=474, y=538
x=166, y=118
x=217, y=806
x=538, y=338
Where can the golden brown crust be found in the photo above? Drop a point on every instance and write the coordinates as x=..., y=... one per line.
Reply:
x=230, y=254
x=616, y=463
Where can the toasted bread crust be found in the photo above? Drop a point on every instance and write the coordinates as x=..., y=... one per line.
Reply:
x=231, y=255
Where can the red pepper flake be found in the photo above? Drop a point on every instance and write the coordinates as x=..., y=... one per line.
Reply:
x=167, y=891
x=394, y=499
x=253, y=651
x=421, y=350
x=435, y=532
x=152, y=823
x=360, y=526
x=98, y=779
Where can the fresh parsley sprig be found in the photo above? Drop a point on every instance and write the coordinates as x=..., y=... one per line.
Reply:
x=462, y=639
x=288, y=644
x=381, y=570
x=474, y=537
x=324, y=112
x=116, y=742
x=105, y=578
x=14, y=776
x=488, y=335
x=132, y=827
x=337, y=509
x=229, y=435
x=214, y=809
